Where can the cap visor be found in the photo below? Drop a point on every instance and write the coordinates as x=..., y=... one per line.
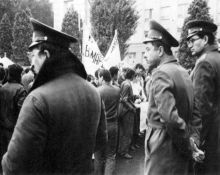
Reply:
x=147, y=40
x=33, y=44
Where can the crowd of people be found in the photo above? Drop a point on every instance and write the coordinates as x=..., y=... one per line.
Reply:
x=54, y=117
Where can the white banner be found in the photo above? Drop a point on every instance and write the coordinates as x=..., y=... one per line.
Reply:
x=113, y=57
x=91, y=56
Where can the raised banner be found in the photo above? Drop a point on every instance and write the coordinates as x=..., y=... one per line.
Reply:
x=113, y=57
x=92, y=58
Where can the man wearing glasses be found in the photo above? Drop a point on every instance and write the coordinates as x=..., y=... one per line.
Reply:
x=206, y=83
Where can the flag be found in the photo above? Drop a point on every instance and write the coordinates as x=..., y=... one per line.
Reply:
x=113, y=57
x=91, y=56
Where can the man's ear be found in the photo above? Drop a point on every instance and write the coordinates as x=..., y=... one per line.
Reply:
x=161, y=50
x=206, y=39
x=47, y=53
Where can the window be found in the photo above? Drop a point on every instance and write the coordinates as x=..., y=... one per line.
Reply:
x=182, y=10
x=165, y=12
x=148, y=14
x=131, y=55
x=142, y=55
x=218, y=12
x=218, y=18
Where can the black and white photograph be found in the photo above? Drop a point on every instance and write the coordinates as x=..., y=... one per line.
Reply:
x=109, y=87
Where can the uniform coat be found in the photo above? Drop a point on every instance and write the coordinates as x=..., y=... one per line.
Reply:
x=169, y=113
x=58, y=128
x=206, y=83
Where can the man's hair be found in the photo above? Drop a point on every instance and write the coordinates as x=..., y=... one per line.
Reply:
x=105, y=74
x=27, y=70
x=139, y=66
x=125, y=69
x=129, y=74
x=14, y=73
x=211, y=37
x=113, y=71
x=167, y=48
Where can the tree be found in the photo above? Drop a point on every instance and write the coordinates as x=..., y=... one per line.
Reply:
x=22, y=34
x=40, y=10
x=199, y=10
x=6, y=37
x=9, y=7
x=70, y=26
x=109, y=15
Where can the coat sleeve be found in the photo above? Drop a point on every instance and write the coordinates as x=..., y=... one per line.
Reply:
x=204, y=88
x=28, y=140
x=166, y=105
x=20, y=97
x=125, y=91
x=102, y=135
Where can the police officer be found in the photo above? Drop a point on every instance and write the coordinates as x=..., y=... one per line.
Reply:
x=206, y=84
x=62, y=120
x=167, y=142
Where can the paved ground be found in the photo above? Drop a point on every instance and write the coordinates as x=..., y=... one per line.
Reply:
x=133, y=166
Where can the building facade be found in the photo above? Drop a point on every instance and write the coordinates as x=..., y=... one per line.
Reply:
x=169, y=13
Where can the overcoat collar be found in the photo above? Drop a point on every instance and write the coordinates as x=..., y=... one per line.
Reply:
x=169, y=59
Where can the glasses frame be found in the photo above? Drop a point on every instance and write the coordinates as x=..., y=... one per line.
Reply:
x=192, y=40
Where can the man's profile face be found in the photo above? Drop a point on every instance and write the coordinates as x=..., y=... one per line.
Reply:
x=196, y=45
x=37, y=59
x=152, y=54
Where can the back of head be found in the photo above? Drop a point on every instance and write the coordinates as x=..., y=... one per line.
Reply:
x=129, y=74
x=113, y=71
x=14, y=73
x=26, y=70
x=105, y=74
x=139, y=66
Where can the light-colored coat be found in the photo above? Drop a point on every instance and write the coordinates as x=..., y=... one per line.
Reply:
x=170, y=110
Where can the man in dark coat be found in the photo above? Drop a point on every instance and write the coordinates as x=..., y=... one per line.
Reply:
x=114, y=74
x=167, y=143
x=62, y=121
x=110, y=95
x=206, y=84
x=12, y=95
x=127, y=112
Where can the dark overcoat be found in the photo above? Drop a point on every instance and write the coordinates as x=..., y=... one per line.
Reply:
x=206, y=83
x=126, y=117
x=110, y=95
x=167, y=149
x=12, y=95
x=58, y=128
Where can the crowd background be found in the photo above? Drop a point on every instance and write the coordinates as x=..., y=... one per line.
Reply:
x=127, y=93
